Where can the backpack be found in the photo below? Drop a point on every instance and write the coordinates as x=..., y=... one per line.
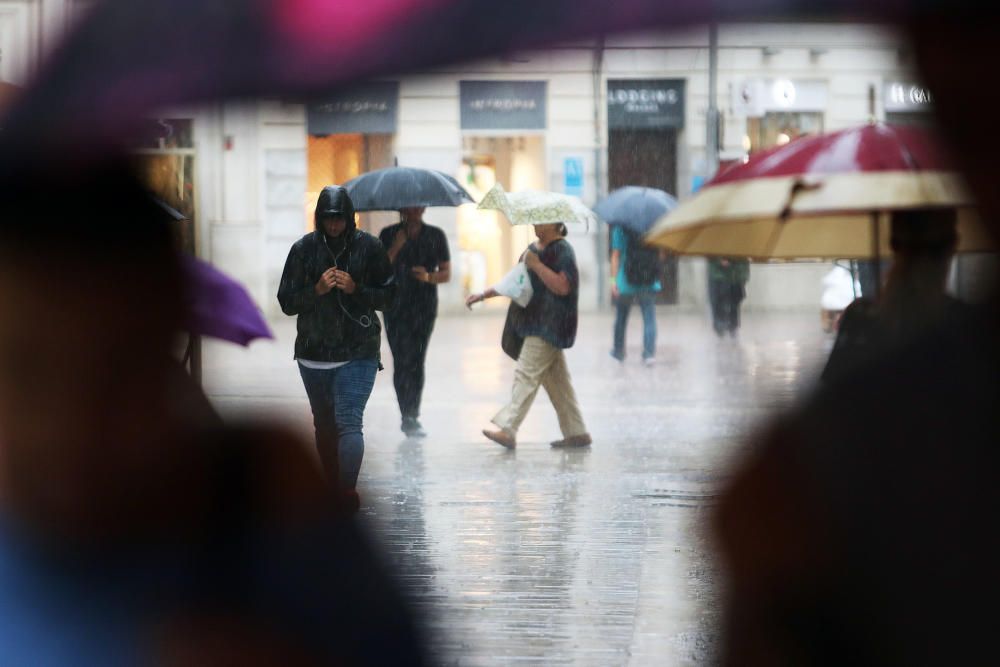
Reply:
x=643, y=266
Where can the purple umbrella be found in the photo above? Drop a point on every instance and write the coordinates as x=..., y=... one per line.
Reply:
x=219, y=306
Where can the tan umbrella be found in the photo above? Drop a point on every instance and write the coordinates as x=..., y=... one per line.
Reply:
x=828, y=196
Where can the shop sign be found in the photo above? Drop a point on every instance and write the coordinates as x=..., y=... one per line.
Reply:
x=503, y=105
x=368, y=108
x=900, y=96
x=747, y=98
x=645, y=103
x=755, y=97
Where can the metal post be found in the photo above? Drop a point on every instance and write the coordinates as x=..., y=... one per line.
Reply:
x=712, y=114
x=600, y=246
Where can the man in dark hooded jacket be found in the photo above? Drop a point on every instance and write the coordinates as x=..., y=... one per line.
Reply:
x=335, y=278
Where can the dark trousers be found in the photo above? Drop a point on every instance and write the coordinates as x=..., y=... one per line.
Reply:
x=647, y=304
x=409, y=335
x=725, y=298
x=338, y=398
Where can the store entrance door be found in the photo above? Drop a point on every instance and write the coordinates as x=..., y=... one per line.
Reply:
x=350, y=131
x=646, y=157
x=489, y=246
x=337, y=158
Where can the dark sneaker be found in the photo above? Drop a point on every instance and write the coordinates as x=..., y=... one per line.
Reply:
x=412, y=428
x=620, y=356
x=501, y=437
x=582, y=440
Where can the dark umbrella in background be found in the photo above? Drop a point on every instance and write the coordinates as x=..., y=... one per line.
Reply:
x=635, y=208
x=394, y=188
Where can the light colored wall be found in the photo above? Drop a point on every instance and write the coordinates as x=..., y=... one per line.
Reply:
x=247, y=195
x=20, y=40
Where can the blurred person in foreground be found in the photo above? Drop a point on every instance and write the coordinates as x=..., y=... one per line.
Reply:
x=132, y=533
x=537, y=335
x=860, y=528
x=923, y=243
x=334, y=280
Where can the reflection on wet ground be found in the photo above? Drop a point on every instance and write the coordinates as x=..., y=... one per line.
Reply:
x=539, y=556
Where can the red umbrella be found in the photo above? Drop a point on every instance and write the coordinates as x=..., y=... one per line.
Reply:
x=822, y=197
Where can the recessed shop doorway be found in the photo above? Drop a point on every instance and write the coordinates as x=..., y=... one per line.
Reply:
x=336, y=159
x=646, y=157
x=488, y=244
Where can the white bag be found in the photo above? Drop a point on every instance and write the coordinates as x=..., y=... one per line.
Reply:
x=516, y=284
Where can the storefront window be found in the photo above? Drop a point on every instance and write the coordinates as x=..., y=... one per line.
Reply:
x=167, y=134
x=166, y=165
x=336, y=159
x=488, y=245
x=779, y=127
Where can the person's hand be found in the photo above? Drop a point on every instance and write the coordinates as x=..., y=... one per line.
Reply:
x=615, y=293
x=420, y=274
x=399, y=240
x=471, y=299
x=343, y=281
x=327, y=281
x=532, y=260
x=723, y=262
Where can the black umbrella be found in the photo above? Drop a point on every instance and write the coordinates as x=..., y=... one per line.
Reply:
x=404, y=187
x=635, y=207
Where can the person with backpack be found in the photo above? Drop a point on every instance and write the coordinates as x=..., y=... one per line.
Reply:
x=635, y=278
x=727, y=279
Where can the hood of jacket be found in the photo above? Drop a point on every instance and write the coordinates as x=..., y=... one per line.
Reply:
x=334, y=200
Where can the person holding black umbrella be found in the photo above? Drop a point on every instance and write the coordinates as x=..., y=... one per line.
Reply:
x=421, y=261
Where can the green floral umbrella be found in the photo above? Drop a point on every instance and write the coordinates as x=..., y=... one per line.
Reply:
x=537, y=207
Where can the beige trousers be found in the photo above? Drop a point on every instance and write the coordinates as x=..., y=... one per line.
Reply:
x=544, y=365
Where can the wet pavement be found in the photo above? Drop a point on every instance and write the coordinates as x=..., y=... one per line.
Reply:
x=541, y=556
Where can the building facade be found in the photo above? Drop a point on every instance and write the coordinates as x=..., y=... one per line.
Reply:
x=581, y=118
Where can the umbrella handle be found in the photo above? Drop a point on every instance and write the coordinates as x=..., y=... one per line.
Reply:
x=797, y=187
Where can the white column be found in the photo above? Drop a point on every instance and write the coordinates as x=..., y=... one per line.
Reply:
x=56, y=17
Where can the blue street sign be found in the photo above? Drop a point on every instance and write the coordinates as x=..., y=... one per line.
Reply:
x=573, y=176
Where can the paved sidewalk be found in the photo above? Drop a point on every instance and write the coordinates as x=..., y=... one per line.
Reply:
x=537, y=556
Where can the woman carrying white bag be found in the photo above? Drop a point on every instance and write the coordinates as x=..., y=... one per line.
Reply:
x=541, y=323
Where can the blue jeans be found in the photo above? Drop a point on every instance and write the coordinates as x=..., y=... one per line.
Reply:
x=647, y=304
x=338, y=398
